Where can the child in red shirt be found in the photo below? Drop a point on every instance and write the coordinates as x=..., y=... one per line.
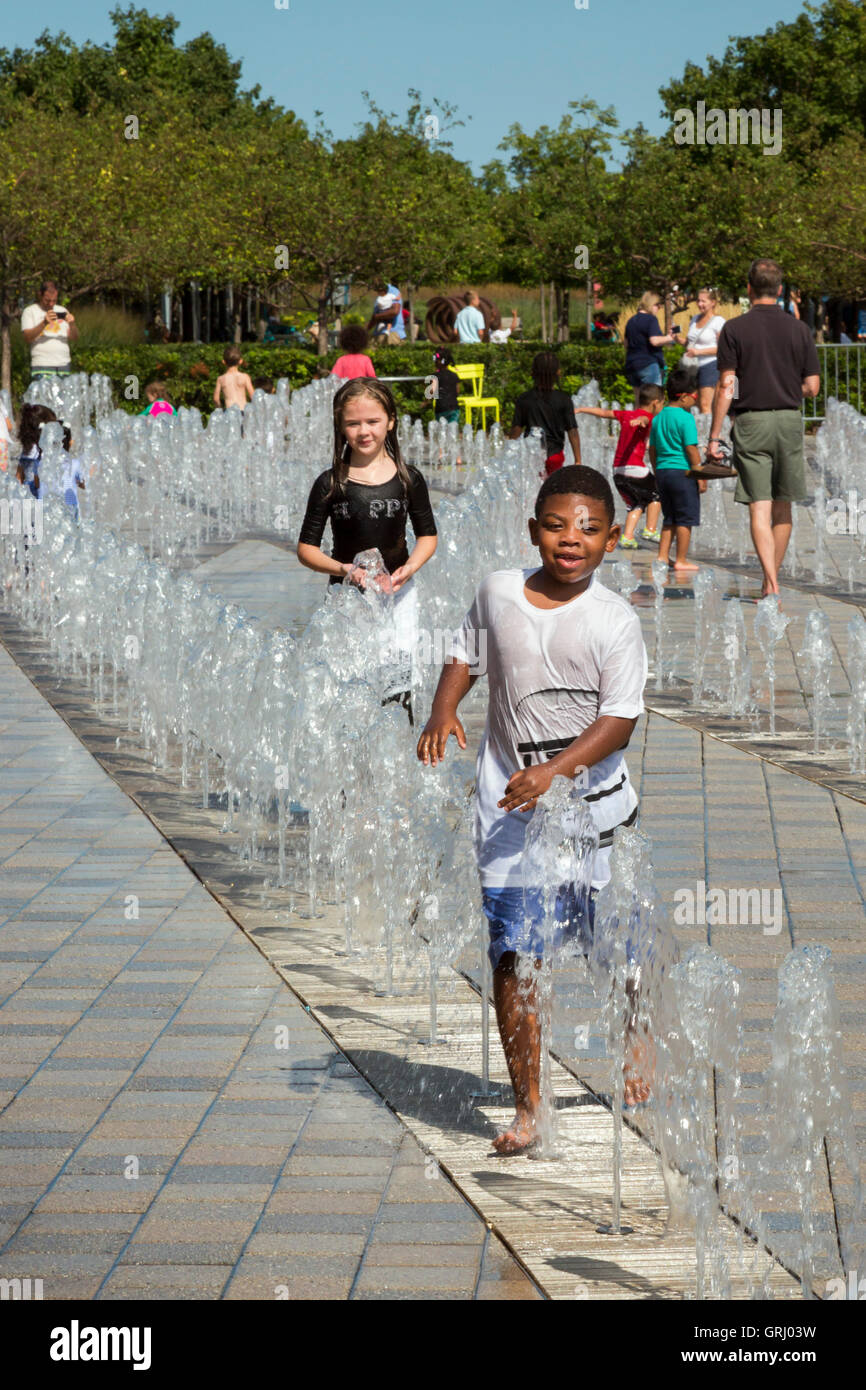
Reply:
x=354, y=362
x=633, y=478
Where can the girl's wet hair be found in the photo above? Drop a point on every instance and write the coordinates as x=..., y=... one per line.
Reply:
x=376, y=390
x=33, y=417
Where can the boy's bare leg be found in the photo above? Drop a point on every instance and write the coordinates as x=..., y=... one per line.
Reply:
x=520, y=1030
x=631, y=522
x=665, y=542
x=653, y=512
x=640, y=1058
x=638, y=1067
x=684, y=536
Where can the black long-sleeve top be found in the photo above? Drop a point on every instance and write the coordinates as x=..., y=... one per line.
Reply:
x=368, y=516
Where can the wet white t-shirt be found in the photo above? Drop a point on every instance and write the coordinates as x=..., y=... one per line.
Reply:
x=551, y=673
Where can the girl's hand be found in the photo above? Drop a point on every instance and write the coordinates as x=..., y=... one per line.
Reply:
x=400, y=576
x=355, y=575
x=437, y=731
x=525, y=787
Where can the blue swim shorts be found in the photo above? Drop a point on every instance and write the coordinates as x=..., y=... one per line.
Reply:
x=515, y=918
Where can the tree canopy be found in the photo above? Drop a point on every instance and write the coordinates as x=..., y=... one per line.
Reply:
x=142, y=161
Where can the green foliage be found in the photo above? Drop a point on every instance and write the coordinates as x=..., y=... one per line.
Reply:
x=813, y=68
x=507, y=370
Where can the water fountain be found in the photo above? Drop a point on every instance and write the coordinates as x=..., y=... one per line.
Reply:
x=630, y=954
x=708, y=625
x=817, y=652
x=812, y=1115
x=820, y=520
x=770, y=626
x=624, y=580
x=660, y=574
x=320, y=782
x=737, y=657
x=561, y=841
x=698, y=1132
x=856, y=724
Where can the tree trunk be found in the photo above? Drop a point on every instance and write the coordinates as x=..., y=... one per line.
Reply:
x=237, y=309
x=5, y=355
x=543, y=324
x=324, y=302
x=589, y=306
x=563, y=312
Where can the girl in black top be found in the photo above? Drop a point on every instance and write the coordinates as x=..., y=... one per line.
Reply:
x=367, y=495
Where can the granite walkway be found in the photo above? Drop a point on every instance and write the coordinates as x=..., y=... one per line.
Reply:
x=173, y=1123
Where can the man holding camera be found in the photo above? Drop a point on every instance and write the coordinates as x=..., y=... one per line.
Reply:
x=48, y=328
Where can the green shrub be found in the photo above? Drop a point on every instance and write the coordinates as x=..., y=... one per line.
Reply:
x=179, y=365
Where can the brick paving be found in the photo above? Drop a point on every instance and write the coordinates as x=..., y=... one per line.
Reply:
x=173, y=1123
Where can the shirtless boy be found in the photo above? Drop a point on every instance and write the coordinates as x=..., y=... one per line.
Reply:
x=235, y=386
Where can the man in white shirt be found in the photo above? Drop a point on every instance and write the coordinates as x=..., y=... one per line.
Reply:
x=469, y=324
x=48, y=328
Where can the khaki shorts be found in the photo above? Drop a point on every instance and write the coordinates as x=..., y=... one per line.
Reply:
x=768, y=455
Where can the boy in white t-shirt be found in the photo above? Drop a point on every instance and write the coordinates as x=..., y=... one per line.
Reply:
x=566, y=667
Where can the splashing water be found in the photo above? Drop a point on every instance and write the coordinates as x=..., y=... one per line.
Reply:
x=660, y=577
x=770, y=626
x=810, y=1102
x=737, y=658
x=817, y=652
x=561, y=841
x=631, y=951
x=856, y=725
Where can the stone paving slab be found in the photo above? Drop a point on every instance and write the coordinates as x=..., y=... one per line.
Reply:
x=152, y=1124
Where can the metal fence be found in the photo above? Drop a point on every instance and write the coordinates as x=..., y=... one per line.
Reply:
x=843, y=376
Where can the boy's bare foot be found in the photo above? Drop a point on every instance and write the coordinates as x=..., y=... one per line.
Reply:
x=683, y=566
x=518, y=1138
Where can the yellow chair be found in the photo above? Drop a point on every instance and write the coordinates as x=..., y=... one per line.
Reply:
x=473, y=373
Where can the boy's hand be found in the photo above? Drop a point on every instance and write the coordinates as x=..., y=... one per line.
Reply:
x=702, y=484
x=437, y=731
x=525, y=787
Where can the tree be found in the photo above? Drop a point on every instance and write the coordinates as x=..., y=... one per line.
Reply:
x=143, y=70
x=386, y=202
x=813, y=69
x=553, y=196
x=59, y=214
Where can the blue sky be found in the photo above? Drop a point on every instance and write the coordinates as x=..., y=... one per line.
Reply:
x=498, y=61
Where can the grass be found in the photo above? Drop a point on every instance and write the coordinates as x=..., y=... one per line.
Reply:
x=105, y=326
x=526, y=301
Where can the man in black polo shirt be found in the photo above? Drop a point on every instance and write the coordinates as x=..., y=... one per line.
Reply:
x=767, y=363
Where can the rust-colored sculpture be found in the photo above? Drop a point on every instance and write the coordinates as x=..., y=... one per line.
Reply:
x=443, y=309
